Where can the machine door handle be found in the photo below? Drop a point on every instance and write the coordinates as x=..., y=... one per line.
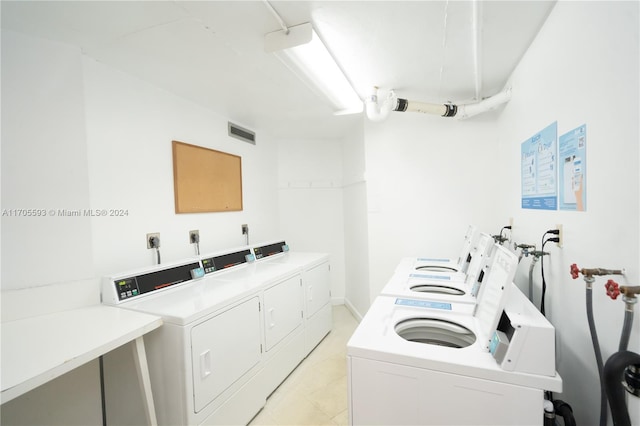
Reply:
x=205, y=364
x=272, y=322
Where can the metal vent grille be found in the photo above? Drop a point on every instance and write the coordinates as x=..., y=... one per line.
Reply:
x=238, y=132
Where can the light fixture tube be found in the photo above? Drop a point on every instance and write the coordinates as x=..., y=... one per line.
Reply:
x=302, y=51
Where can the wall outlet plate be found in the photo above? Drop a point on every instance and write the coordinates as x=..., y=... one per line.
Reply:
x=194, y=236
x=151, y=235
x=560, y=236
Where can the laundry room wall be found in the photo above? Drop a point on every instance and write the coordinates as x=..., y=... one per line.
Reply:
x=581, y=69
x=311, y=204
x=78, y=135
x=44, y=164
x=130, y=127
x=44, y=170
x=428, y=178
x=356, y=251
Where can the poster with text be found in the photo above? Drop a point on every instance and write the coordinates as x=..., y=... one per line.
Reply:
x=539, y=164
x=572, y=149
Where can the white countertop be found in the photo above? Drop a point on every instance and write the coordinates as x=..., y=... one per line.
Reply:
x=38, y=349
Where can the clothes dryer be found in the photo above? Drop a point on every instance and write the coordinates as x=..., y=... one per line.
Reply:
x=233, y=330
x=316, y=283
x=414, y=364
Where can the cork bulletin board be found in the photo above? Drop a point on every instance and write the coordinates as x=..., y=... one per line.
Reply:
x=206, y=180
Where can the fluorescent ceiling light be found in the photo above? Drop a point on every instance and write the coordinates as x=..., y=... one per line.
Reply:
x=305, y=55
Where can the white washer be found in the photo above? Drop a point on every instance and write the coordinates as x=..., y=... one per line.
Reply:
x=228, y=338
x=455, y=269
x=442, y=371
x=409, y=283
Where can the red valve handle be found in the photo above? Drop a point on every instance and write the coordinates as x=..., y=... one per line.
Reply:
x=613, y=289
x=575, y=271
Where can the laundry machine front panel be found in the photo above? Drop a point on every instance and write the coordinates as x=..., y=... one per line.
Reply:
x=282, y=310
x=316, y=287
x=223, y=349
x=383, y=393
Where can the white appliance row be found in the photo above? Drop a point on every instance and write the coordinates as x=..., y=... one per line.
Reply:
x=236, y=323
x=421, y=357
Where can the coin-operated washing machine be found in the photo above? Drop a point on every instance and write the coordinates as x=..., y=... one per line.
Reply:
x=413, y=363
x=436, y=265
x=442, y=287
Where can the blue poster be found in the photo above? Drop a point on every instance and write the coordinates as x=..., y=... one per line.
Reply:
x=539, y=164
x=572, y=150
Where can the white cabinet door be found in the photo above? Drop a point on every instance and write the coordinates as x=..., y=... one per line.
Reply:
x=317, y=286
x=223, y=349
x=282, y=310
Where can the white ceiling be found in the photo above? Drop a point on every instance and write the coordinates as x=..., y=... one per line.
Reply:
x=212, y=51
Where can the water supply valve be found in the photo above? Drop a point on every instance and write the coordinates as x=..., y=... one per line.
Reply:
x=613, y=289
x=524, y=247
x=500, y=239
x=590, y=272
x=629, y=293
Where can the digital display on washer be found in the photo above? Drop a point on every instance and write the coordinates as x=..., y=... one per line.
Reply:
x=141, y=284
x=212, y=264
x=269, y=250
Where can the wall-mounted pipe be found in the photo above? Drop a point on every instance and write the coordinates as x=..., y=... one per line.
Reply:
x=378, y=111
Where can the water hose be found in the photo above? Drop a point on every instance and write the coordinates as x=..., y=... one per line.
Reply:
x=533, y=265
x=596, y=349
x=618, y=363
x=589, y=280
x=629, y=299
x=615, y=392
x=626, y=330
x=564, y=410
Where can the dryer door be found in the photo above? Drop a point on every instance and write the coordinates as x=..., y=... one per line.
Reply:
x=223, y=349
x=282, y=310
x=317, y=288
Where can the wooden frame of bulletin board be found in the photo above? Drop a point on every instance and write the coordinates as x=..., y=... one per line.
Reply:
x=206, y=180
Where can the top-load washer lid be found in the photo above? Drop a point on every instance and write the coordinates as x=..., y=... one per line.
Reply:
x=443, y=332
x=475, y=274
x=497, y=282
x=454, y=265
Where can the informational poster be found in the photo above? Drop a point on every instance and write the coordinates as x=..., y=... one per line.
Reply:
x=572, y=149
x=539, y=164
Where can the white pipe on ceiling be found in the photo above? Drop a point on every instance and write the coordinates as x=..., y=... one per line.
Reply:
x=378, y=111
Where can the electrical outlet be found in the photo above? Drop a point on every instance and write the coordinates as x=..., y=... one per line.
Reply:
x=153, y=235
x=194, y=236
x=245, y=229
x=560, y=236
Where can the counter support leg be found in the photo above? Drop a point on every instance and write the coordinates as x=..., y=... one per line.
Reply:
x=142, y=368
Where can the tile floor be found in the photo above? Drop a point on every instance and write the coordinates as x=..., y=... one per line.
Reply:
x=315, y=393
